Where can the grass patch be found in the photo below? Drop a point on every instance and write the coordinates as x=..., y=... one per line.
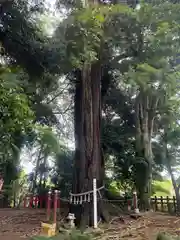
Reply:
x=162, y=188
x=72, y=235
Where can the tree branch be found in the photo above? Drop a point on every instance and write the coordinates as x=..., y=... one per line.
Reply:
x=58, y=94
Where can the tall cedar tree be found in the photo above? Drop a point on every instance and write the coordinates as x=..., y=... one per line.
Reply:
x=89, y=162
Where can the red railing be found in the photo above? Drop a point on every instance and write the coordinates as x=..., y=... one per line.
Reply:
x=36, y=201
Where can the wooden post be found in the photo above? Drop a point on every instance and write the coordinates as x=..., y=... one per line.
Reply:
x=48, y=205
x=95, y=202
x=59, y=201
x=40, y=201
x=174, y=203
x=36, y=201
x=25, y=198
x=55, y=205
x=155, y=203
x=162, y=208
x=31, y=201
x=168, y=208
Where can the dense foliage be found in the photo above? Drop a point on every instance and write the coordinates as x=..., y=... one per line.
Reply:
x=108, y=65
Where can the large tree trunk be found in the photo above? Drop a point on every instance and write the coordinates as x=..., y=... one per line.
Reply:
x=145, y=112
x=175, y=185
x=89, y=162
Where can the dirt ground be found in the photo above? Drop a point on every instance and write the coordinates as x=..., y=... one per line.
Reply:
x=22, y=224
x=146, y=227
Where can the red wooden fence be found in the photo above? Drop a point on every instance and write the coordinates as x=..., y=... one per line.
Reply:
x=35, y=201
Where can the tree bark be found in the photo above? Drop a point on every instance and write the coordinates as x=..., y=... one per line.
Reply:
x=34, y=185
x=175, y=185
x=89, y=162
x=145, y=108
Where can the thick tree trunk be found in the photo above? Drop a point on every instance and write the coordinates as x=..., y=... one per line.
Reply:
x=89, y=162
x=175, y=185
x=145, y=112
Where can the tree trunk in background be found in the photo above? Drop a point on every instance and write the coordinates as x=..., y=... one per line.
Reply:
x=88, y=162
x=176, y=187
x=34, y=185
x=40, y=180
x=145, y=112
x=169, y=168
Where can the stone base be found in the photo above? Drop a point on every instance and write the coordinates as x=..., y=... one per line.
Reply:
x=136, y=210
x=48, y=230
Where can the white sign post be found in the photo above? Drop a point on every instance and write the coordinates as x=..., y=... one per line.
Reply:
x=95, y=202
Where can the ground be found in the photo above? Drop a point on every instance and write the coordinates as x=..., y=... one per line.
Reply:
x=146, y=227
x=22, y=224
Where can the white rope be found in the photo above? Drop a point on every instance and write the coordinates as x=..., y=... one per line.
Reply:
x=80, y=198
x=84, y=193
x=102, y=199
x=64, y=199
